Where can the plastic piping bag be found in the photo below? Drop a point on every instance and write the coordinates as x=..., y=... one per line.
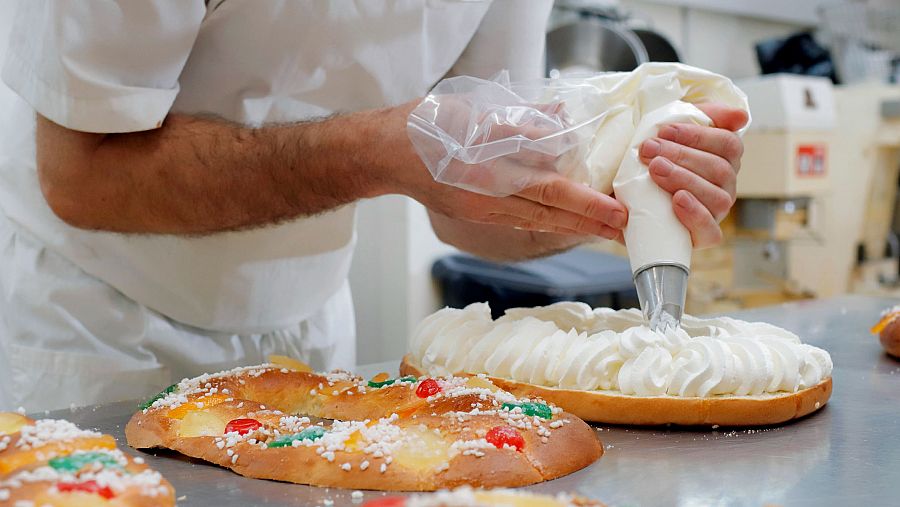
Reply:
x=497, y=138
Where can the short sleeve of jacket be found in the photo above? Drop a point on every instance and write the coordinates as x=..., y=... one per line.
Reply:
x=511, y=36
x=101, y=66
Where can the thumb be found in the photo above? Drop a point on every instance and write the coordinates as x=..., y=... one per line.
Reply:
x=724, y=117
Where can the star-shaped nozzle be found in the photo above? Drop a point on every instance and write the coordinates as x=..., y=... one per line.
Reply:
x=662, y=289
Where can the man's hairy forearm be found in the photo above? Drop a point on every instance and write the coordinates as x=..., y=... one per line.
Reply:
x=201, y=175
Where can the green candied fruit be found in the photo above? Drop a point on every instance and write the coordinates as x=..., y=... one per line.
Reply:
x=408, y=378
x=312, y=433
x=75, y=462
x=530, y=408
x=165, y=392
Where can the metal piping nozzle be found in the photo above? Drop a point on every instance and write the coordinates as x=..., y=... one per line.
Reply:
x=662, y=289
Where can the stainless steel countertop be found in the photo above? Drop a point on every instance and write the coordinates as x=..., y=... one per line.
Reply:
x=846, y=454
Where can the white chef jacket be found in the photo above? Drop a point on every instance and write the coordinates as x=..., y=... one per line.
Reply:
x=152, y=308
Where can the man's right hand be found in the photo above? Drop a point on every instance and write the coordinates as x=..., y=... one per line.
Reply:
x=552, y=204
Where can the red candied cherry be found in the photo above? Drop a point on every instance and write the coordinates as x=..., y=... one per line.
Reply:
x=85, y=487
x=388, y=501
x=428, y=387
x=242, y=426
x=505, y=435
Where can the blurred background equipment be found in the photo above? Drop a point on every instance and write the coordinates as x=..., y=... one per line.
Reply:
x=787, y=173
x=602, y=37
x=595, y=278
x=796, y=54
x=869, y=146
x=864, y=38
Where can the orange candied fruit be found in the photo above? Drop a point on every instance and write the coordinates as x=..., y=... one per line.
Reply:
x=200, y=403
x=883, y=323
x=290, y=363
x=408, y=411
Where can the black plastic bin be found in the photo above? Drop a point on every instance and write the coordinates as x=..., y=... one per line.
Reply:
x=595, y=278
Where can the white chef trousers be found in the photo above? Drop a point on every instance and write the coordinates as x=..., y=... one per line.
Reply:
x=69, y=339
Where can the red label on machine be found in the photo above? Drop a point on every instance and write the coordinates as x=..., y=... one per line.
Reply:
x=810, y=160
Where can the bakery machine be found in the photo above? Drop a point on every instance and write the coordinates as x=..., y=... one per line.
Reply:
x=863, y=243
x=601, y=36
x=787, y=174
x=817, y=196
x=869, y=139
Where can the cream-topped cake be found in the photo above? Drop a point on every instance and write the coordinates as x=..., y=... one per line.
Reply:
x=571, y=346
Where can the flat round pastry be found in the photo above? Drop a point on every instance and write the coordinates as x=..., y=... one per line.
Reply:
x=468, y=497
x=888, y=331
x=54, y=463
x=403, y=434
x=606, y=366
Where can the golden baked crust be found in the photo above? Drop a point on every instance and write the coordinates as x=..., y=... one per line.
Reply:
x=611, y=408
x=54, y=463
x=388, y=437
x=888, y=331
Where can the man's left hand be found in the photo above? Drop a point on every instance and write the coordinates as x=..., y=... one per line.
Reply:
x=698, y=165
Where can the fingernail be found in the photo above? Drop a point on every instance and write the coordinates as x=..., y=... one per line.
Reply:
x=683, y=199
x=662, y=167
x=667, y=132
x=617, y=219
x=650, y=148
x=608, y=233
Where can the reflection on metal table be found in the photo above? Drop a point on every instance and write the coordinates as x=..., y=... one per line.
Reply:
x=845, y=454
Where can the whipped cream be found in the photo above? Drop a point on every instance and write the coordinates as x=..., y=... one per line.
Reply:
x=570, y=345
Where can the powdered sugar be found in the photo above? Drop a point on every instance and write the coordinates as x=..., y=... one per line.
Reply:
x=341, y=376
x=47, y=430
x=204, y=385
x=893, y=309
x=471, y=447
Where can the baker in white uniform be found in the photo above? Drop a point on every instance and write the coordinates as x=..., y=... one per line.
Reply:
x=177, y=178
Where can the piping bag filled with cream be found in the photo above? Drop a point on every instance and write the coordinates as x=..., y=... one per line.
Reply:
x=498, y=138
